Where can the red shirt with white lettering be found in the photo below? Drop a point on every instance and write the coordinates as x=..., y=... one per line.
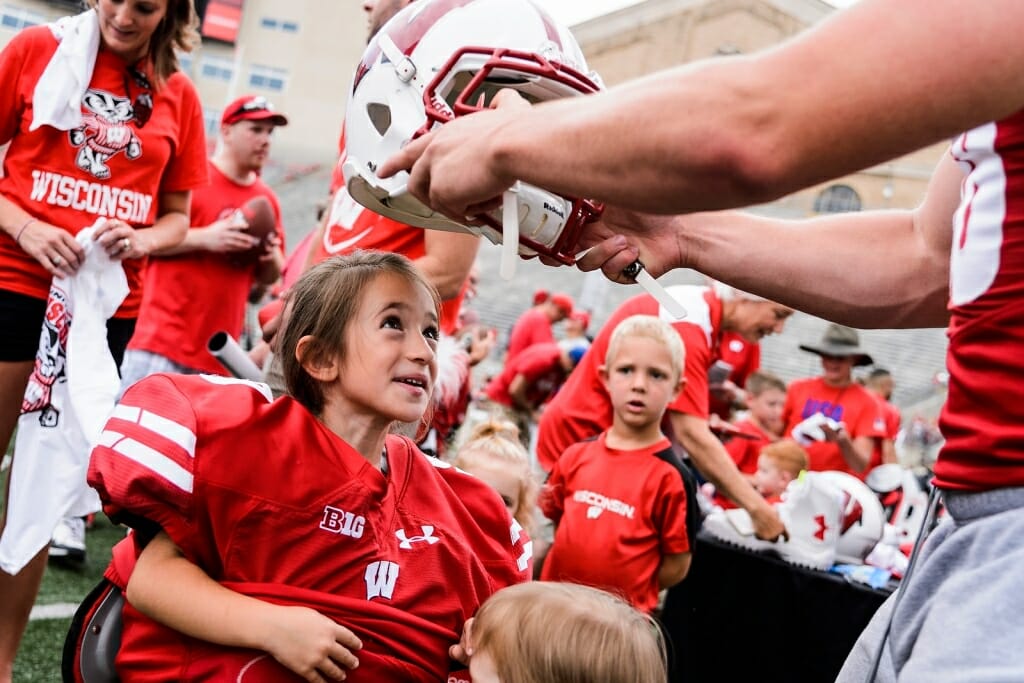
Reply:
x=617, y=513
x=264, y=498
x=582, y=408
x=853, y=405
x=180, y=311
x=109, y=167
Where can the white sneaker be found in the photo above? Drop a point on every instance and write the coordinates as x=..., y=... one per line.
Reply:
x=68, y=541
x=811, y=509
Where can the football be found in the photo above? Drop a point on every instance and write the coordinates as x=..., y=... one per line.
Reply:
x=260, y=221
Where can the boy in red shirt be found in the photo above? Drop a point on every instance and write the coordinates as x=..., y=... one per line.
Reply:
x=619, y=500
x=766, y=395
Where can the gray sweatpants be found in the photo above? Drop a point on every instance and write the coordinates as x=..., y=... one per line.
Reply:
x=962, y=616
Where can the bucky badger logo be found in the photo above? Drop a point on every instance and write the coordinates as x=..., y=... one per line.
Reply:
x=104, y=132
x=51, y=360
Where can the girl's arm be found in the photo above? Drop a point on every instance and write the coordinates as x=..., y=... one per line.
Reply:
x=170, y=589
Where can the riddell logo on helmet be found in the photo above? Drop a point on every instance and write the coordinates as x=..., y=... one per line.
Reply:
x=554, y=209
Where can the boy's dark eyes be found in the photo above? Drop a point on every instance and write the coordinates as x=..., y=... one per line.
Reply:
x=392, y=321
x=508, y=501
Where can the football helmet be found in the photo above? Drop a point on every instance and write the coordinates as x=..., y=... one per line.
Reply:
x=863, y=519
x=440, y=59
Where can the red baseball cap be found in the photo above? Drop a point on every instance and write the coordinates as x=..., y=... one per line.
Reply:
x=252, y=108
x=582, y=317
x=563, y=302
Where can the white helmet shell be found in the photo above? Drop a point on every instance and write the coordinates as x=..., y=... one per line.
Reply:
x=440, y=59
x=863, y=518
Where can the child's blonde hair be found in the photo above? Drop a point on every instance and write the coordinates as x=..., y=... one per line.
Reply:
x=787, y=455
x=761, y=381
x=651, y=327
x=498, y=440
x=542, y=631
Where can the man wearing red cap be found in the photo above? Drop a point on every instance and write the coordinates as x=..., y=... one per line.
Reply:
x=200, y=287
x=534, y=326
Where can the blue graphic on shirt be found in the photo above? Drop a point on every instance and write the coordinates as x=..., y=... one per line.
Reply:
x=827, y=408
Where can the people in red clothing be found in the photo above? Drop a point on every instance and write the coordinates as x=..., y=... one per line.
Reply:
x=178, y=315
x=582, y=408
x=534, y=325
x=766, y=395
x=575, y=330
x=102, y=129
x=778, y=464
x=369, y=535
x=880, y=383
x=856, y=423
x=618, y=502
x=741, y=357
x=530, y=380
x=762, y=425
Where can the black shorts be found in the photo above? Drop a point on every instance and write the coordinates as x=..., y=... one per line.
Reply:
x=21, y=323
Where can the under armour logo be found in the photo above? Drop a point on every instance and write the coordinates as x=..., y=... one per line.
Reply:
x=407, y=541
x=822, y=528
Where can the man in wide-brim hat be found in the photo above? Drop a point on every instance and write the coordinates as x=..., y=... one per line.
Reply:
x=834, y=394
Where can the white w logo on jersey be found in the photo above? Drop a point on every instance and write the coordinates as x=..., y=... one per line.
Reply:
x=407, y=541
x=380, y=579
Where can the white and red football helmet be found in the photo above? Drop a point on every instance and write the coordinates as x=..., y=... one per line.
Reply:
x=440, y=59
x=863, y=519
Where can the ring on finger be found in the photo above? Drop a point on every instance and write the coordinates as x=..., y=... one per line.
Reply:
x=56, y=261
x=126, y=244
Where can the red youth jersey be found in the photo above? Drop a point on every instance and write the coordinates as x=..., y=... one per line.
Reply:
x=532, y=327
x=582, y=407
x=189, y=297
x=109, y=167
x=401, y=559
x=617, y=514
x=983, y=419
x=853, y=405
x=541, y=367
x=352, y=226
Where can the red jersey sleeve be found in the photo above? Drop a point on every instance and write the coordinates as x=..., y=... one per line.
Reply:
x=144, y=464
x=670, y=515
x=12, y=101
x=693, y=399
x=186, y=167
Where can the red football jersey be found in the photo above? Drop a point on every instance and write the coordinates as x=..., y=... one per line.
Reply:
x=109, y=167
x=983, y=419
x=541, y=367
x=266, y=499
x=190, y=297
x=617, y=514
x=532, y=327
x=852, y=405
x=582, y=408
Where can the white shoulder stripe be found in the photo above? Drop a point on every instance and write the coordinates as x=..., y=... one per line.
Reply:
x=151, y=459
x=256, y=386
x=162, y=426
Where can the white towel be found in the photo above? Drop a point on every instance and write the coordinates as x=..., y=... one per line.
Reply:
x=57, y=99
x=68, y=400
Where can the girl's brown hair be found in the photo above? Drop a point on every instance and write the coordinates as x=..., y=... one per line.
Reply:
x=177, y=31
x=322, y=304
x=543, y=631
x=498, y=440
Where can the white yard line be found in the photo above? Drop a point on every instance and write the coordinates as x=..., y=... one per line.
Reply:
x=57, y=610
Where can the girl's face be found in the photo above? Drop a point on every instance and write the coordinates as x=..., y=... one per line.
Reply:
x=126, y=26
x=389, y=365
x=499, y=477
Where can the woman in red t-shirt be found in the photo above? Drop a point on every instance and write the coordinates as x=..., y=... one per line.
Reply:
x=125, y=160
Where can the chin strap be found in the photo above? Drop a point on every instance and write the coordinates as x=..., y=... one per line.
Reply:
x=509, y=232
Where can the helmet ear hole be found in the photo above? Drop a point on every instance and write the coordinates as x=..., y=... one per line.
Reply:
x=380, y=116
